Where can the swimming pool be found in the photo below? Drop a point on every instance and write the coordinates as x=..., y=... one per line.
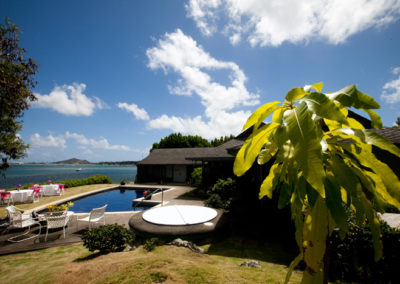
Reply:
x=118, y=199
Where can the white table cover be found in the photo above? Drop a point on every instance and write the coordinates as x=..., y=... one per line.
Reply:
x=177, y=215
x=50, y=189
x=22, y=195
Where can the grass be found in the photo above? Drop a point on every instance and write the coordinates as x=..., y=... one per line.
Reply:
x=166, y=264
x=70, y=192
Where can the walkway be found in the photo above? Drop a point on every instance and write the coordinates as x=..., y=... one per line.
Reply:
x=171, y=196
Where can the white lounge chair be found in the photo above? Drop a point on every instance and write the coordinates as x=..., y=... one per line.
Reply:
x=57, y=219
x=19, y=220
x=96, y=216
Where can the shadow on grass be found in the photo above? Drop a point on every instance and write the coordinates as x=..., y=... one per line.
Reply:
x=243, y=247
x=92, y=255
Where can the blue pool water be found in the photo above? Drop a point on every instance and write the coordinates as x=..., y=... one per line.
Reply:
x=117, y=200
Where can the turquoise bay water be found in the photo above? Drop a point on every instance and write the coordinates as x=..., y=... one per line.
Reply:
x=37, y=173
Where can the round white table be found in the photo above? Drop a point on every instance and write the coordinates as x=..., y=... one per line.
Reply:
x=50, y=189
x=22, y=195
x=178, y=215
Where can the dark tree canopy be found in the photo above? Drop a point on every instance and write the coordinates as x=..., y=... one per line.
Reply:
x=397, y=122
x=177, y=140
x=16, y=83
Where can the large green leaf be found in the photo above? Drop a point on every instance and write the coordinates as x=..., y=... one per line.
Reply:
x=390, y=180
x=315, y=232
x=295, y=94
x=270, y=182
x=373, y=138
x=335, y=204
x=376, y=121
x=250, y=149
x=285, y=193
x=302, y=132
x=260, y=114
x=350, y=96
x=324, y=107
x=267, y=153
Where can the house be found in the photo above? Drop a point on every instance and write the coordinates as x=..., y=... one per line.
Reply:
x=176, y=165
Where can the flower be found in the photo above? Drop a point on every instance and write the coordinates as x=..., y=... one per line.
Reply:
x=18, y=185
x=62, y=207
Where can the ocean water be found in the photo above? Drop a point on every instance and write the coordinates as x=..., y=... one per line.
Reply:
x=37, y=173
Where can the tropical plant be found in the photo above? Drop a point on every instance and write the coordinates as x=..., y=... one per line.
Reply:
x=197, y=176
x=62, y=207
x=108, y=238
x=323, y=166
x=16, y=84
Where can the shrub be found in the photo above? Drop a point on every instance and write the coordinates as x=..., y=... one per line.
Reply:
x=150, y=244
x=122, y=182
x=222, y=194
x=352, y=259
x=197, y=176
x=108, y=238
x=95, y=179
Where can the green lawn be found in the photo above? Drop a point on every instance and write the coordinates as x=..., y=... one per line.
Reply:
x=74, y=264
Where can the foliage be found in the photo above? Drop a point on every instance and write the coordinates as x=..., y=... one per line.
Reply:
x=177, y=140
x=222, y=194
x=219, y=141
x=150, y=244
x=62, y=207
x=108, y=238
x=122, y=182
x=351, y=259
x=322, y=166
x=397, y=122
x=95, y=179
x=16, y=82
x=197, y=176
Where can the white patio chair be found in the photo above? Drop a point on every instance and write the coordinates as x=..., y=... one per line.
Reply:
x=19, y=220
x=96, y=216
x=55, y=220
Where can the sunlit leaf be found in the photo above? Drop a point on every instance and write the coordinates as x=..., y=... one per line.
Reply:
x=302, y=132
x=250, y=149
x=315, y=232
x=295, y=94
x=376, y=121
x=318, y=86
x=324, y=107
x=267, y=153
x=260, y=114
x=278, y=114
x=350, y=96
x=270, y=181
x=373, y=138
x=335, y=204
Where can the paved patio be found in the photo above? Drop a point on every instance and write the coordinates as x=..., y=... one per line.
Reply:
x=73, y=234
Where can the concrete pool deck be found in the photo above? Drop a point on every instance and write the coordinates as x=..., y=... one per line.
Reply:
x=73, y=234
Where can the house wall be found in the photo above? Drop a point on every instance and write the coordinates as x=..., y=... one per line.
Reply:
x=164, y=173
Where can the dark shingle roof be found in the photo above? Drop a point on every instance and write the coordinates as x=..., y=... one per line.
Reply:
x=391, y=134
x=173, y=156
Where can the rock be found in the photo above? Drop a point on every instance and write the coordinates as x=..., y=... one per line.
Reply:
x=128, y=248
x=181, y=243
x=251, y=263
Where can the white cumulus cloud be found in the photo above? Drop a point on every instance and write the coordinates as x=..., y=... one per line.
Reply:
x=181, y=54
x=48, y=141
x=60, y=141
x=391, y=90
x=69, y=100
x=270, y=23
x=139, y=113
x=101, y=143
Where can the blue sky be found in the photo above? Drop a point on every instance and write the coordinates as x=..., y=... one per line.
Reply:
x=116, y=76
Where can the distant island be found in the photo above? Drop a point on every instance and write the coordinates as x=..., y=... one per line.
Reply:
x=73, y=161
